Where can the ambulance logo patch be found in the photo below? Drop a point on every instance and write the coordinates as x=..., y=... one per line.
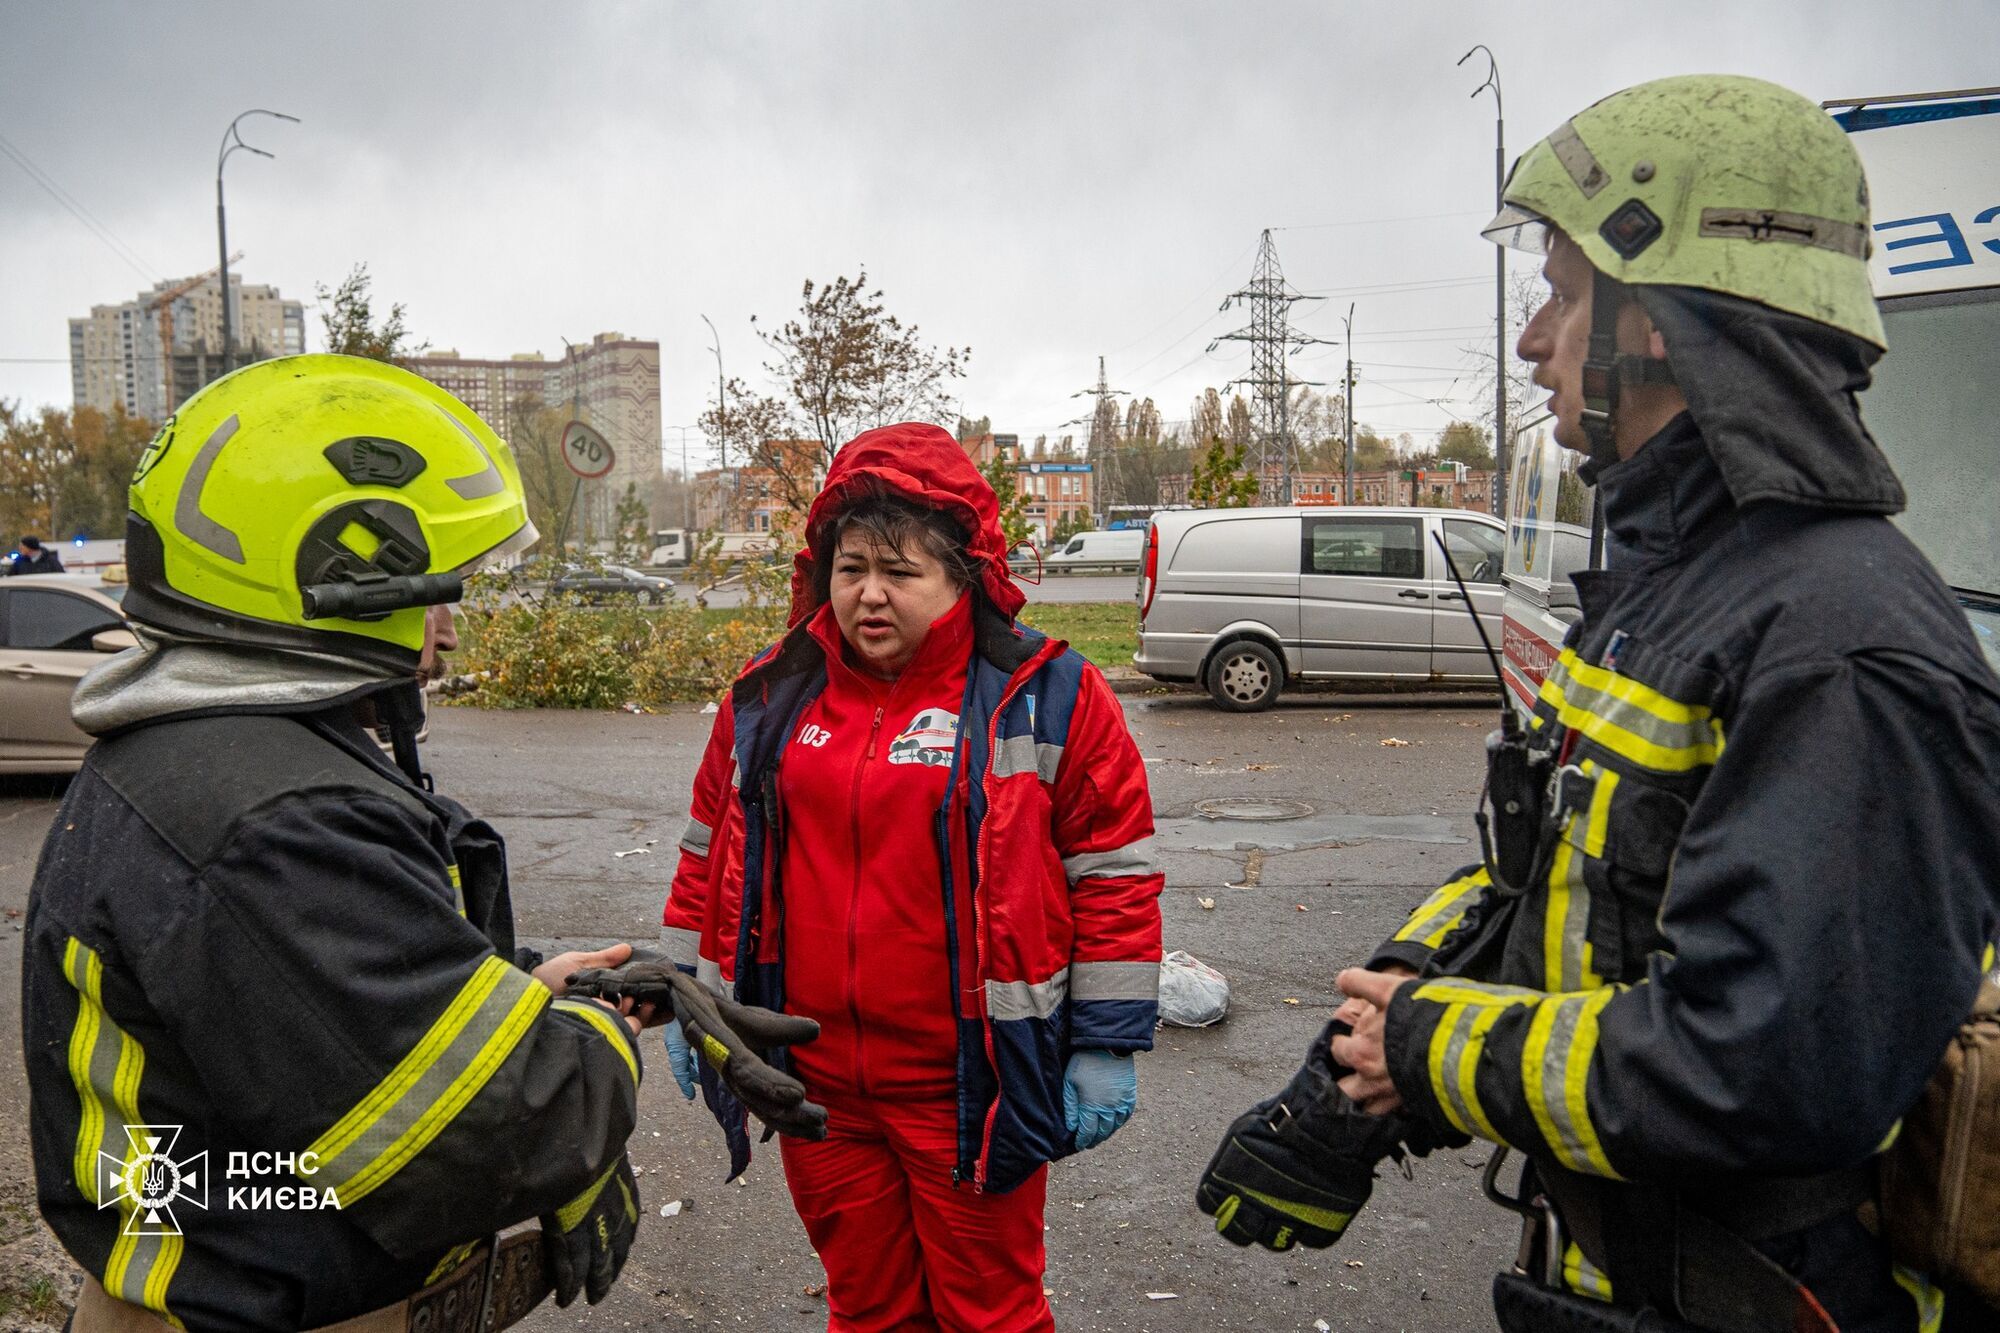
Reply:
x=928, y=739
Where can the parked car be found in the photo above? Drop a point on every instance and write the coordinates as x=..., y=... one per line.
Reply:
x=53, y=629
x=1112, y=546
x=594, y=585
x=1245, y=601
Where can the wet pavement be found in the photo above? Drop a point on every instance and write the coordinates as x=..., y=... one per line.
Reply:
x=1346, y=833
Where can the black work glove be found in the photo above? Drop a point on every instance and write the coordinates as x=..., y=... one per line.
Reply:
x=729, y=1036
x=1297, y=1167
x=584, y=1243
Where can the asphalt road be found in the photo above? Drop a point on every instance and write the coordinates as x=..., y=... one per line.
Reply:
x=1294, y=902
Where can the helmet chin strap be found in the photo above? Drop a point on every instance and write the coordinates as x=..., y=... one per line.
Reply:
x=401, y=709
x=1606, y=372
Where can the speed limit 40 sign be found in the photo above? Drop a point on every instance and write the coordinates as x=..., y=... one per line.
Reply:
x=587, y=452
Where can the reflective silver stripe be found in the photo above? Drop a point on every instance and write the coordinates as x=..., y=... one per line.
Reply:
x=681, y=946
x=709, y=973
x=480, y=484
x=1578, y=160
x=1458, y=1020
x=1029, y=999
x=1114, y=981
x=1763, y=224
x=696, y=837
x=188, y=516
x=735, y=770
x=1024, y=754
x=1134, y=858
x=419, y=1098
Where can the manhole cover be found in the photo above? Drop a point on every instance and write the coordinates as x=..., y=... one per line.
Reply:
x=1252, y=808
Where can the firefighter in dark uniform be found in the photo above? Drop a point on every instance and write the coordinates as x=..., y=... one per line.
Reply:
x=287, y=1065
x=1744, y=887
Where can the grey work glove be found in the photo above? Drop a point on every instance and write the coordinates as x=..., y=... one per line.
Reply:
x=729, y=1036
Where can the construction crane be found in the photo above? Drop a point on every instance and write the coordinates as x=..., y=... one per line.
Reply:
x=164, y=304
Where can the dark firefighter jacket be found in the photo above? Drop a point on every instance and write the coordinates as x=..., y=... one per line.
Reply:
x=1762, y=905
x=250, y=935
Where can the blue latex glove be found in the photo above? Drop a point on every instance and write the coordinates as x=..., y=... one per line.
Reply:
x=1099, y=1091
x=680, y=1058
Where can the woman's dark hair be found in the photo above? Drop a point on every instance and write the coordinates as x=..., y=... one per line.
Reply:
x=889, y=520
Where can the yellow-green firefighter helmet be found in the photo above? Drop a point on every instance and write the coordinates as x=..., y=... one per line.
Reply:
x=309, y=501
x=1715, y=181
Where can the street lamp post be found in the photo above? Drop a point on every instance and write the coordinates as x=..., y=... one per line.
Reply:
x=231, y=141
x=1500, y=440
x=1347, y=409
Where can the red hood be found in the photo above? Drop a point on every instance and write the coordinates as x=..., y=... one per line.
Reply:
x=920, y=463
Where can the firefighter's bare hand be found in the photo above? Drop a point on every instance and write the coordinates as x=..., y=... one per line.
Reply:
x=1361, y=1051
x=556, y=972
x=1354, y=1006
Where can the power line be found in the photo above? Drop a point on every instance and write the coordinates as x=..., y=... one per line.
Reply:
x=1376, y=222
x=1392, y=288
x=77, y=210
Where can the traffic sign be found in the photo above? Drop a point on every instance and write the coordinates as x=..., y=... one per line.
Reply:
x=587, y=452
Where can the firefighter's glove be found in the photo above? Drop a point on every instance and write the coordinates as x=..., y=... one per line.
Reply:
x=680, y=1058
x=1296, y=1168
x=727, y=1035
x=1100, y=1089
x=584, y=1243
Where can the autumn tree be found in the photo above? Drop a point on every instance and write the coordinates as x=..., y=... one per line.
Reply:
x=347, y=317
x=1149, y=453
x=67, y=471
x=1239, y=427
x=1468, y=443
x=1205, y=418
x=1372, y=452
x=632, y=524
x=1219, y=480
x=999, y=474
x=842, y=364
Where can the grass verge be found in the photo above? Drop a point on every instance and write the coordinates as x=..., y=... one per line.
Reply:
x=1105, y=632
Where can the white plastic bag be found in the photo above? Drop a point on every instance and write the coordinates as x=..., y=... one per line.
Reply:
x=1192, y=994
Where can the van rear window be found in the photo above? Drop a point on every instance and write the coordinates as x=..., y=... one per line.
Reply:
x=1383, y=548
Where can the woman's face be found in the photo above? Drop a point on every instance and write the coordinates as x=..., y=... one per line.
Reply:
x=884, y=600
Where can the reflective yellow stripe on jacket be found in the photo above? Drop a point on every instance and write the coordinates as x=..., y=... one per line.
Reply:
x=106, y=1064
x=1443, y=910
x=1633, y=721
x=1567, y=964
x=474, y=1036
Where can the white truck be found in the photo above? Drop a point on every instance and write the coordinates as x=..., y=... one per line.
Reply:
x=1933, y=164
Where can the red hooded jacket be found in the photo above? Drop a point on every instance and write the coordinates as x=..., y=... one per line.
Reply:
x=961, y=921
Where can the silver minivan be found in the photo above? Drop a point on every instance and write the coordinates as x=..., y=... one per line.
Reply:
x=1243, y=601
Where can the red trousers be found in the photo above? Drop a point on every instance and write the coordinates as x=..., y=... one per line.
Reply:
x=905, y=1251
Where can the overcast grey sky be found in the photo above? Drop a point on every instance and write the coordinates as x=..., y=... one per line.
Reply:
x=1045, y=182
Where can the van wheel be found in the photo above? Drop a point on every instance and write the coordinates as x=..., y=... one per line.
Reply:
x=1245, y=677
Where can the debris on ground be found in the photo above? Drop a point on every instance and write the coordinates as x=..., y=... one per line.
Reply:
x=1163, y=1295
x=1207, y=904
x=1192, y=994
x=1391, y=742
x=636, y=851
x=671, y=1209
